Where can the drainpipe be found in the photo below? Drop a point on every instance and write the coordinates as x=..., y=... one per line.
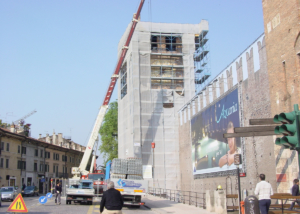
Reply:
x=44, y=191
x=21, y=164
x=66, y=159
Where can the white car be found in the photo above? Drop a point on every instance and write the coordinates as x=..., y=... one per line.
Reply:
x=8, y=193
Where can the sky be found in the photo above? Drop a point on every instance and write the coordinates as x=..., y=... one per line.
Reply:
x=57, y=56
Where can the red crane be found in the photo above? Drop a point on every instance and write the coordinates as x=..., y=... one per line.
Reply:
x=81, y=170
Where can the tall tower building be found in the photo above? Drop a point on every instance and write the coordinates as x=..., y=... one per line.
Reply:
x=156, y=79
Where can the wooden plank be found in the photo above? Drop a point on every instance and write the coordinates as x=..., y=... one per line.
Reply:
x=284, y=206
x=232, y=196
x=262, y=121
x=254, y=129
x=284, y=211
x=284, y=197
x=249, y=134
x=232, y=207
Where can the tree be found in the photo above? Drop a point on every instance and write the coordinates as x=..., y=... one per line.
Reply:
x=109, y=133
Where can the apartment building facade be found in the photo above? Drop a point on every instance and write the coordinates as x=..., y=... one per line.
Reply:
x=33, y=162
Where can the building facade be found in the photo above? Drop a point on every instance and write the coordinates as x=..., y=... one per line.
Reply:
x=33, y=162
x=282, y=32
x=156, y=79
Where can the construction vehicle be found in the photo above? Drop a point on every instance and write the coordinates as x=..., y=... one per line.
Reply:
x=80, y=191
x=81, y=171
x=131, y=190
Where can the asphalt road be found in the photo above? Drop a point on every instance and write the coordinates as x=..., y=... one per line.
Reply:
x=34, y=206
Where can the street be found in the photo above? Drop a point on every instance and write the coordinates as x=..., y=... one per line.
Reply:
x=34, y=206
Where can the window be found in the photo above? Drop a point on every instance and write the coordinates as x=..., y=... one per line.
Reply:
x=2, y=145
x=166, y=42
x=7, y=147
x=73, y=160
x=42, y=167
x=36, y=153
x=46, y=167
x=41, y=153
x=70, y=159
x=7, y=163
x=1, y=162
x=23, y=150
x=57, y=157
x=47, y=154
x=53, y=168
x=35, y=167
x=123, y=75
x=19, y=149
x=21, y=164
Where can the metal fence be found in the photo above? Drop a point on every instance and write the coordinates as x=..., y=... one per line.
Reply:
x=186, y=197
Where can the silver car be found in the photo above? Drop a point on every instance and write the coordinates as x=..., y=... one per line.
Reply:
x=8, y=193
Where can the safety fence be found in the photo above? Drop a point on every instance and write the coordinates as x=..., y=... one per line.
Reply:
x=186, y=197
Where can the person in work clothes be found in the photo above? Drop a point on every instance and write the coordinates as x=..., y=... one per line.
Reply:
x=264, y=191
x=112, y=200
x=58, y=190
x=295, y=192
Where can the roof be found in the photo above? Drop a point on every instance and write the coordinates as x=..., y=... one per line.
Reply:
x=5, y=132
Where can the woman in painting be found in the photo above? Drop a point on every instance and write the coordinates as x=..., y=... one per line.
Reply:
x=233, y=149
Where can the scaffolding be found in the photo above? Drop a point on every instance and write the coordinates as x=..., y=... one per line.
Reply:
x=201, y=60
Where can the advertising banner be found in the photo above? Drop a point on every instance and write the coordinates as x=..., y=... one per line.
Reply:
x=210, y=151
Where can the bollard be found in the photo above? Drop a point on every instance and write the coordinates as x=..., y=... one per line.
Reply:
x=242, y=207
x=251, y=205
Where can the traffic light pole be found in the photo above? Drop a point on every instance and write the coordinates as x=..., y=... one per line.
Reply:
x=296, y=109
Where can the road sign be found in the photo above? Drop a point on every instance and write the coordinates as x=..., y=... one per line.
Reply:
x=43, y=200
x=49, y=195
x=18, y=205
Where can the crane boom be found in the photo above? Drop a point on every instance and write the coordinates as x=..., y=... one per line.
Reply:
x=23, y=118
x=83, y=164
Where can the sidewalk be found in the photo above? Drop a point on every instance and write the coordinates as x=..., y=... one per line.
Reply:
x=162, y=205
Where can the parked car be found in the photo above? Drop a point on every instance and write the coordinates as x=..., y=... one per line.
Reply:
x=0, y=197
x=30, y=191
x=8, y=193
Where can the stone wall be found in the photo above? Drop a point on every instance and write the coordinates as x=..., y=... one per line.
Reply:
x=249, y=74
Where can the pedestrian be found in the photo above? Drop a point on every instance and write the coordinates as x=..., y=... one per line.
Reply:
x=23, y=187
x=295, y=192
x=112, y=200
x=58, y=193
x=264, y=191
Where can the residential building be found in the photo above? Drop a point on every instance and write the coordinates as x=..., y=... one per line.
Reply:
x=33, y=161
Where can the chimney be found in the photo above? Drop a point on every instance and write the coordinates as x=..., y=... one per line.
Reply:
x=47, y=138
x=12, y=128
x=40, y=136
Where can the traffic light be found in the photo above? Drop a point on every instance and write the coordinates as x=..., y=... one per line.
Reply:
x=289, y=129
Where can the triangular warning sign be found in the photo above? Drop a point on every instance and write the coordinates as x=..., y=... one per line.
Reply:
x=18, y=205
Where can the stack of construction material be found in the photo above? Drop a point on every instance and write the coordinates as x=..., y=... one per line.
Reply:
x=119, y=166
x=135, y=177
x=135, y=169
x=118, y=176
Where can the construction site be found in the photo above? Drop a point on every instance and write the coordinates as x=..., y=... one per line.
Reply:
x=156, y=79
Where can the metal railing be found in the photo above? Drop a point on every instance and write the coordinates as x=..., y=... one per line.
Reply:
x=186, y=197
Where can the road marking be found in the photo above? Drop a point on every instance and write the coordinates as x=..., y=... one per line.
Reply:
x=97, y=206
x=90, y=211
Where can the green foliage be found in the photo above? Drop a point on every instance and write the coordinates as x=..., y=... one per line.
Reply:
x=109, y=133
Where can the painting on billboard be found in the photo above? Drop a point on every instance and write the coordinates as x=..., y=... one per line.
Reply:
x=210, y=151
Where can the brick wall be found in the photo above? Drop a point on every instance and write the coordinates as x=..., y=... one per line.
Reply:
x=254, y=102
x=281, y=23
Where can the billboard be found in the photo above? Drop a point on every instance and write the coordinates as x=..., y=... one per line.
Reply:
x=210, y=151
